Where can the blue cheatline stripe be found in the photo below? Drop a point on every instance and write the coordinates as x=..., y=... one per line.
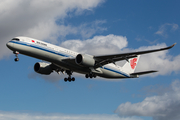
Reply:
x=61, y=54
x=112, y=70
x=41, y=48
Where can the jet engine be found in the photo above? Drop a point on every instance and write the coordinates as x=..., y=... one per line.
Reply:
x=43, y=68
x=85, y=60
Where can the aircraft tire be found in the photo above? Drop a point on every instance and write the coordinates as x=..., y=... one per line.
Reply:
x=16, y=59
x=65, y=79
x=91, y=76
x=69, y=79
x=73, y=79
x=94, y=76
x=86, y=75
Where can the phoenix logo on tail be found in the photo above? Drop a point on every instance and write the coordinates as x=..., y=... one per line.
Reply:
x=62, y=60
x=133, y=63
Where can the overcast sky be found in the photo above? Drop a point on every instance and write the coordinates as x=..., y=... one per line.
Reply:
x=96, y=27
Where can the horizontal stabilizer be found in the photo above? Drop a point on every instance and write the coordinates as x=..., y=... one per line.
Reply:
x=142, y=73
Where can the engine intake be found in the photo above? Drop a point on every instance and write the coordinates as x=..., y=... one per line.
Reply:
x=85, y=60
x=43, y=68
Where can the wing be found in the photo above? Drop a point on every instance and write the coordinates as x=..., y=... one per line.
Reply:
x=105, y=59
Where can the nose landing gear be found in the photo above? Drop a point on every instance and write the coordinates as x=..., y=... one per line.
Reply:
x=16, y=54
x=16, y=59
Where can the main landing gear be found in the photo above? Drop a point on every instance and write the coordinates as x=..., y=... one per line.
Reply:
x=69, y=78
x=91, y=75
x=16, y=54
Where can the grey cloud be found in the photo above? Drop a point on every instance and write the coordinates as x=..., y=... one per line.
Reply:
x=98, y=44
x=36, y=19
x=28, y=116
x=162, y=107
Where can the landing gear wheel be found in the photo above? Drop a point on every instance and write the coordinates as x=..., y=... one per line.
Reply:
x=91, y=76
x=65, y=79
x=86, y=75
x=94, y=76
x=16, y=59
x=69, y=79
x=73, y=79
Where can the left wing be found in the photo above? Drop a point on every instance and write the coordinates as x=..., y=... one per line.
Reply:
x=105, y=59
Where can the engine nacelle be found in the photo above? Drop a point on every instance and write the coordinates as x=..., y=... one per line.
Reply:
x=85, y=60
x=43, y=68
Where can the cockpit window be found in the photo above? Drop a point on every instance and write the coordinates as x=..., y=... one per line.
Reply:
x=15, y=39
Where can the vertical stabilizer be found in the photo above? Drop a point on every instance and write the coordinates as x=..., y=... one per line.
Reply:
x=130, y=66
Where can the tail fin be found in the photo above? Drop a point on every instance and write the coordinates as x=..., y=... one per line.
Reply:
x=130, y=66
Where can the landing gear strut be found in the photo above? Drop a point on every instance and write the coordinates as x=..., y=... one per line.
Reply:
x=16, y=54
x=69, y=78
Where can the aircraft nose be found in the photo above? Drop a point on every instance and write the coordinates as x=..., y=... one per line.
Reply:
x=9, y=45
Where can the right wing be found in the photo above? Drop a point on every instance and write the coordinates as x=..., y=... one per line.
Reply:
x=106, y=59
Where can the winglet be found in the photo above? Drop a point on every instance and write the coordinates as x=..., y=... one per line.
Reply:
x=173, y=45
x=168, y=47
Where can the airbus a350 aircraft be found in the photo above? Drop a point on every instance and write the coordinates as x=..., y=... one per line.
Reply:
x=67, y=61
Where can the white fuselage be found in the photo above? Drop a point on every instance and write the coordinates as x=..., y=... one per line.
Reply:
x=55, y=54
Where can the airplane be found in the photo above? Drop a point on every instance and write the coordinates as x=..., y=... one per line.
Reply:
x=67, y=61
